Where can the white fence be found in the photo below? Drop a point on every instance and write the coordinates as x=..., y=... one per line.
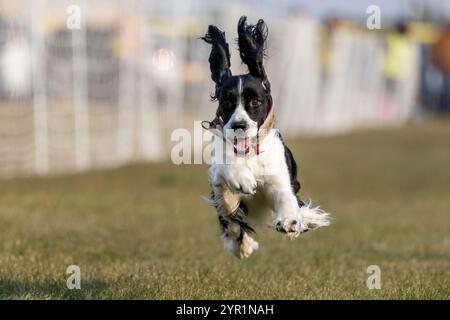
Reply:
x=113, y=90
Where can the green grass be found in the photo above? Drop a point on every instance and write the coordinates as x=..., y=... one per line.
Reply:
x=143, y=231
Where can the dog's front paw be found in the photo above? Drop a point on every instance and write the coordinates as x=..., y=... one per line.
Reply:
x=241, y=181
x=291, y=225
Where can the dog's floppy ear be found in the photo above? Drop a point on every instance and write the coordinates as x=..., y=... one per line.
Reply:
x=252, y=43
x=219, y=59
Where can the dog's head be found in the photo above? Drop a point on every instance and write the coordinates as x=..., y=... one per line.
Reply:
x=244, y=100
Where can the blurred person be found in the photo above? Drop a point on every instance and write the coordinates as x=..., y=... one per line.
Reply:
x=331, y=25
x=441, y=58
x=397, y=67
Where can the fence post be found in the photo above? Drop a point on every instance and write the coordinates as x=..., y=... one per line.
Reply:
x=39, y=90
x=80, y=101
x=150, y=140
x=126, y=108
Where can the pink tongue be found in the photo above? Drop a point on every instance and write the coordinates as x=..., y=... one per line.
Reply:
x=242, y=144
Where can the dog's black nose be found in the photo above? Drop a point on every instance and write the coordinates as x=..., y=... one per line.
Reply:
x=242, y=125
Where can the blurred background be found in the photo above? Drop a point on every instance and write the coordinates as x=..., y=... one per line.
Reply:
x=111, y=90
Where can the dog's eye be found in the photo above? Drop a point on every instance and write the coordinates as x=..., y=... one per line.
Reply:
x=255, y=103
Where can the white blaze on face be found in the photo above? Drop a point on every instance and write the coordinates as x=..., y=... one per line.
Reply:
x=240, y=92
x=240, y=139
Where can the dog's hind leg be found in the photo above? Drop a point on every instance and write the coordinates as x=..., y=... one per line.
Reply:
x=236, y=238
x=235, y=233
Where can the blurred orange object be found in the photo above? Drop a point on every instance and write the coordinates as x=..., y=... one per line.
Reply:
x=441, y=50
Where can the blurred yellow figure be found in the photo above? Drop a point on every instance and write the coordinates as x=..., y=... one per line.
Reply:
x=398, y=63
x=399, y=55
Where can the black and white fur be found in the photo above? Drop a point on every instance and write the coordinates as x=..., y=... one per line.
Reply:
x=252, y=184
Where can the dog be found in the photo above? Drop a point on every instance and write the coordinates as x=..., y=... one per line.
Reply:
x=258, y=177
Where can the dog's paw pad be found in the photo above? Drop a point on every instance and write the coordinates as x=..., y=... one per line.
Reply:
x=291, y=226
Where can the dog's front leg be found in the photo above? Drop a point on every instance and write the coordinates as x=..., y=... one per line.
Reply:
x=293, y=217
x=237, y=177
x=289, y=219
x=285, y=204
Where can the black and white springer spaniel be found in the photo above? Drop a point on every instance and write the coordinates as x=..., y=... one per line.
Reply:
x=258, y=175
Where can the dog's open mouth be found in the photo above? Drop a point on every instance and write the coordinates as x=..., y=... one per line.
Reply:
x=241, y=145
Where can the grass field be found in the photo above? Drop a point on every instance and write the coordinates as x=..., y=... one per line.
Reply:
x=143, y=231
